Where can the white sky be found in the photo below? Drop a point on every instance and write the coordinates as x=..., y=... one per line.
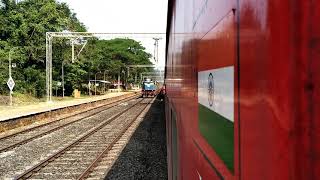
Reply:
x=125, y=16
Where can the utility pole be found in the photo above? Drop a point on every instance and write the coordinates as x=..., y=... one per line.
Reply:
x=62, y=78
x=72, y=44
x=135, y=78
x=104, y=78
x=156, y=49
x=10, y=77
x=10, y=81
x=104, y=83
x=95, y=84
x=119, y=82
x=89, y=85
x=125, y=80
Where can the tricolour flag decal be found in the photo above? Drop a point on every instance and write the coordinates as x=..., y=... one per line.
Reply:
x=216, y=110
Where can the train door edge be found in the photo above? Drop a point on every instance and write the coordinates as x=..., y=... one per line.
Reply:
x=172, y=139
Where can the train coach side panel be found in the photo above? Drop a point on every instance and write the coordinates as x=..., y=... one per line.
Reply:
x=268, y=53
x=277, y=96
x=266, y=90
x=314, y=87
x=191, y=41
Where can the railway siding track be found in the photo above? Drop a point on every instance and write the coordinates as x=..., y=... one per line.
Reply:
x=27, y=135
x=75, y=160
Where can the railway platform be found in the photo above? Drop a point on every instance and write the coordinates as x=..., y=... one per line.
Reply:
x=27, y=110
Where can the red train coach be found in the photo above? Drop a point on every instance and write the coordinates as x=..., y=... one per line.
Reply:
x=243, y=89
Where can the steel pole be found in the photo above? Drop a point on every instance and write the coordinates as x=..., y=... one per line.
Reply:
x=154, y=53
x=47, y=67
x=10, y=94
x=104, y=78
x=89, y=88
x=72, y=44
x=119, y=82
x=50, y=69
x=125, y=80
x=135, y=79
x=62, y=78
x=157, y=51
x=10, y=64
x=95, y=84
x=89, y=84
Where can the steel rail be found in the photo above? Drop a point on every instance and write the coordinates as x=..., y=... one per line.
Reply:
x=61, y=126
x=39, y=126
x=109, y=147
x=44, y=162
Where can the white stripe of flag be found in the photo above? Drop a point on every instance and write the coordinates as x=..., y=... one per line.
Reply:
x=222, y=86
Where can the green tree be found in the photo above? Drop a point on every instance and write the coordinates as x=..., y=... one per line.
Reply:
x=115, y=55
x=24, y=25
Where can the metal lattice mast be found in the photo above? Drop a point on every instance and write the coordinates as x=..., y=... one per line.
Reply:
x=156, y=49
x=77, y=35
x=47, y=68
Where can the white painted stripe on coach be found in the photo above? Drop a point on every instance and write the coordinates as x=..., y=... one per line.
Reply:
x=223, y=101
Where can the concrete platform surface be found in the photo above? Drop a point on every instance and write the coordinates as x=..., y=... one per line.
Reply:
x=20, y=111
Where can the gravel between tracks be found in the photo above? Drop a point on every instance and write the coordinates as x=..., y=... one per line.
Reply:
x=145, y=155
x=75, y=160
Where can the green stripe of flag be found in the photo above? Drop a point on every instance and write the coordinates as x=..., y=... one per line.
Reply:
x=218, y=131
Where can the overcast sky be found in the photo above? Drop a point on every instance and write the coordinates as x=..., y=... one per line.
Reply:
x=126, y=16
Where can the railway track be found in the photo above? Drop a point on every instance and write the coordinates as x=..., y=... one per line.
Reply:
x=11, y=141
x=100, y=168
x=76, y=160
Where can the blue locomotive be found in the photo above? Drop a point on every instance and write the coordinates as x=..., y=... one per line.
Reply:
x=149, y=88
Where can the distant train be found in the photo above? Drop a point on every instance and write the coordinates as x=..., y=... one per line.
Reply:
x=149, y=88
x=243, y=89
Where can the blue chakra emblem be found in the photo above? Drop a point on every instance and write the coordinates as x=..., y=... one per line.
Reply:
x=210, y=89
